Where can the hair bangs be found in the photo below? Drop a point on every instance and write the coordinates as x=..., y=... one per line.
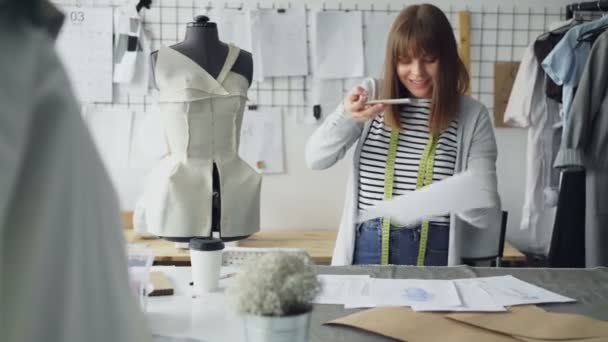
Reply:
x=414, y=39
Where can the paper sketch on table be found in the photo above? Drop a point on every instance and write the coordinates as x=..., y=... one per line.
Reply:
x=283, y=52
x=406, y=292
x=338, y=44
x=417, y=294
x=432, y=200
x=85, y=48
x=336, y=289
x=473, y=297
x=377, y=25
x=261, y=144
x=508, y=291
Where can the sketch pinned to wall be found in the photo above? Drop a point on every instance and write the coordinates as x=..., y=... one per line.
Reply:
x=261, y=144
x=235, y=25
x=326, y=95
x=85, y=47
x=377, y=27
x=148, y=144
x=230, y=24
x=131, y=51
x=283, y=49
x=111, y=129
x=338, y=47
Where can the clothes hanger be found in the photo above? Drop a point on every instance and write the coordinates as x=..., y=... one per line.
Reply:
x=591, y=35
x=143, y=3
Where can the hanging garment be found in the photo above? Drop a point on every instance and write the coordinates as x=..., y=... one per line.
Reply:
x=585, y=145
x=63, y=270
x=568, y=240
x=566, y=61
x=202, y=121
x=543, y=46
x=529, y=107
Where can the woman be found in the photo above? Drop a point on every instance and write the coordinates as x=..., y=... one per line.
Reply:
x=440, y=133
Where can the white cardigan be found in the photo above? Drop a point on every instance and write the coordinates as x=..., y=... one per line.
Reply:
x=473, y=234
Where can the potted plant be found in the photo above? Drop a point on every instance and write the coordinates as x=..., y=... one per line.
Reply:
x=274, y=293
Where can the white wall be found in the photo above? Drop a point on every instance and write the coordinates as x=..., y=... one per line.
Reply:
x=305, y=199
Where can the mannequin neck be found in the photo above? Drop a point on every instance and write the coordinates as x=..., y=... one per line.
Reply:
x=206, y=36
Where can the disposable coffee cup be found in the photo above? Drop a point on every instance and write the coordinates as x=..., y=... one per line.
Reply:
x=206, y=260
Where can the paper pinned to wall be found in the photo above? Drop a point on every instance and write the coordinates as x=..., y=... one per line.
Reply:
x=261, y=144
x=283, y=48
x=85, y=47
x=236, y=26
x=377, y=27
x=439, y=198
x=338, y=47
x=111, y=129
x=230, y=24
x=148, y=144
x=327, y=94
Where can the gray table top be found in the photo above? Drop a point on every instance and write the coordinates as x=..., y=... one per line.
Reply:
x=588, y=286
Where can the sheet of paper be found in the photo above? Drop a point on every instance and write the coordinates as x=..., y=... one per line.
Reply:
x=377, y=26
x=433, y=200
x=233, y=26
x=336, y=289
x=338, y=44
x=257, y=39
x=261, y=144
x=508, y=290
x=283, y=49
x=111, y=129
x=406, y=292
x=327, y=94
x=148, y=144
x=473, y=297
x=85, y=48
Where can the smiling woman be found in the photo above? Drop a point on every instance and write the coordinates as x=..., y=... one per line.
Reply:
x=422, y=61
x=402, y=147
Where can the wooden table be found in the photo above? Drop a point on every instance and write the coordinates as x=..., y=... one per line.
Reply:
x=318, y=243
x=164, y=251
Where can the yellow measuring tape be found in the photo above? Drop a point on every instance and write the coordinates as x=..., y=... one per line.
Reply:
x=424, y=178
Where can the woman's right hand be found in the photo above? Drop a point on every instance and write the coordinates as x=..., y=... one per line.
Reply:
x=354, y=104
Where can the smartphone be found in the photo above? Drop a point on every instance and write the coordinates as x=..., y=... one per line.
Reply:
x=389, y=101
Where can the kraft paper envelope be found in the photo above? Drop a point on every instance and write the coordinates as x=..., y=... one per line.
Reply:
x=534, y=323
x=594, y=339
x=406, y=325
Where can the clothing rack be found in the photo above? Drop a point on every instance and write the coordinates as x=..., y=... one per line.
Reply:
x=591, y=6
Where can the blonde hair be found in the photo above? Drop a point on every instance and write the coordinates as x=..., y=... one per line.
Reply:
x=424, y=30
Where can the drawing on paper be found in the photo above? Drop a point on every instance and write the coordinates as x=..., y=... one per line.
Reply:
x=417, y=294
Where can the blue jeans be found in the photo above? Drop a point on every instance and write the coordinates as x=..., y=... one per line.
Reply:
x=403, y=244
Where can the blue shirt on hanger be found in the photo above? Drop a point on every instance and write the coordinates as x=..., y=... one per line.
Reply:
x=566, y=61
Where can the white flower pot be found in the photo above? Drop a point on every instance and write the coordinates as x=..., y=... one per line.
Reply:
x=277, y=329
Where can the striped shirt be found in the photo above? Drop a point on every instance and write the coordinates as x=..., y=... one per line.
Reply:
x=413, y=137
